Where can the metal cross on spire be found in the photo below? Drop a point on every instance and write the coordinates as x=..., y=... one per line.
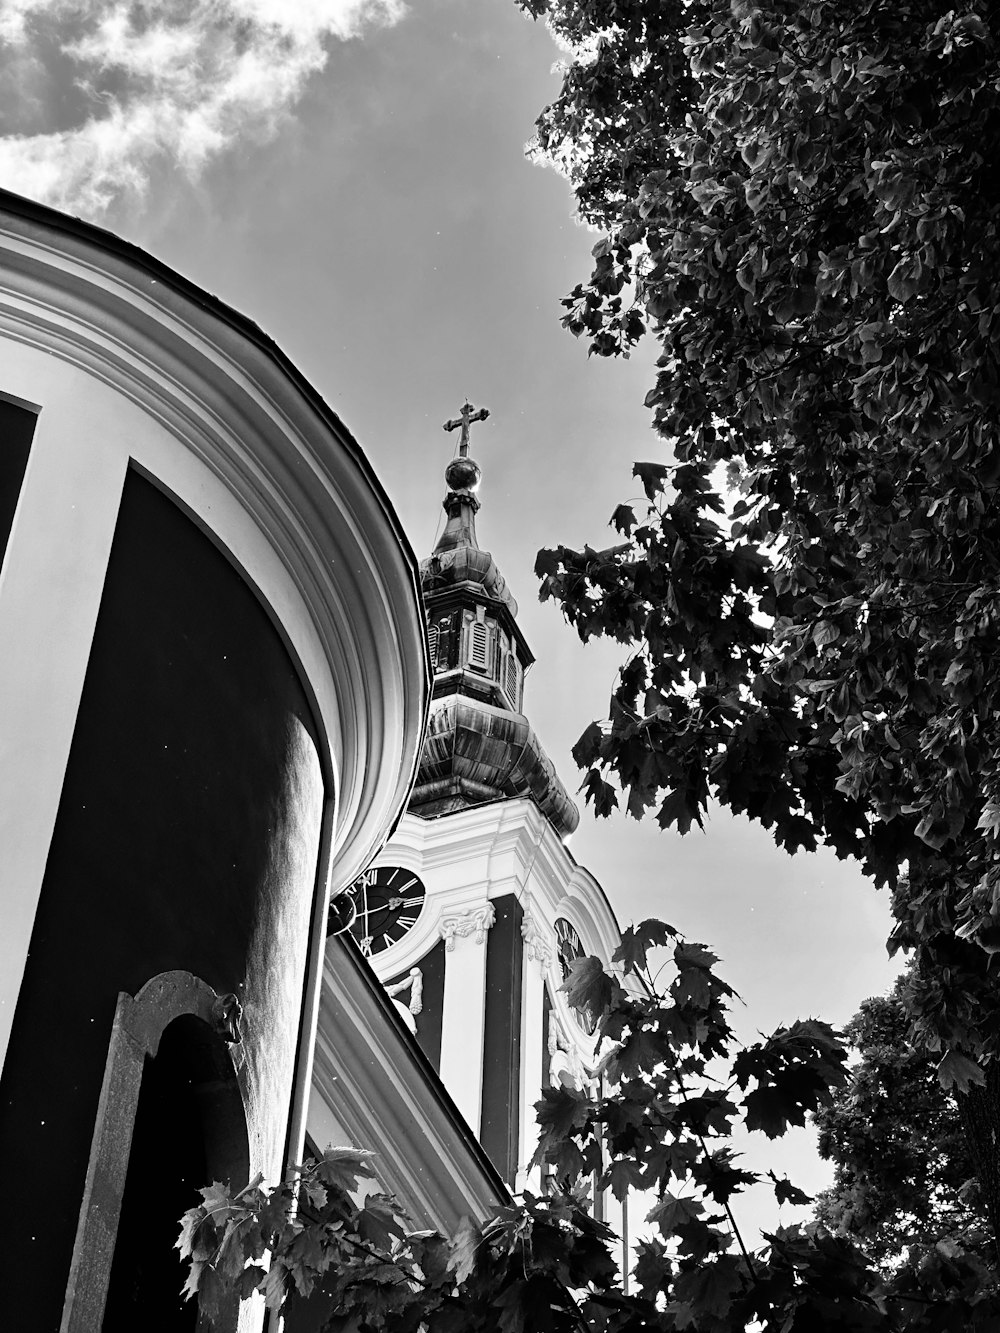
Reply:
x=469, y=415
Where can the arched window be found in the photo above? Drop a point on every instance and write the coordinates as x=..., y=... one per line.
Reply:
x=170, y=1120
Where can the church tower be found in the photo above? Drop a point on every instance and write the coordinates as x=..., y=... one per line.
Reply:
x=475, y=907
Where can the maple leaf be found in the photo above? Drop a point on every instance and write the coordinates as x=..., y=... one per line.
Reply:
x=587, y=748
x=795, y=1068
x=636, y=942
x=706, y=1292
x=378, y=1221
x=717, y=1176
x=771, y=1110
x=465, y=1249
x=212, y=1292
x=653, y=476
x=786, y=1192
x=958, y=1071
x=621, y=1176
x=624, y=519
x=689, y=954
x=561, y=1110
x=641, y=1052
x=275, y=1285
x=673, y=1211
x=693, y=986
x=680, y=808
x=190, y=1223
x=588, y=987
x=342, y=1168
x=315, y=1191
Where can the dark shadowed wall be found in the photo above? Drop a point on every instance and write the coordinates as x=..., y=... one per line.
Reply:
x=187, y=838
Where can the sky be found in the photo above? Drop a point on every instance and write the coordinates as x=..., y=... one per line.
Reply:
x=351, y=174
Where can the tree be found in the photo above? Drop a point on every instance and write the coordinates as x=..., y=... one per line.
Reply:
x=676, y=1083
x=904, y=1175
x=800, y=205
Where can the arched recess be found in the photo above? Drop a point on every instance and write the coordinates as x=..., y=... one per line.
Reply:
x=179, y=1033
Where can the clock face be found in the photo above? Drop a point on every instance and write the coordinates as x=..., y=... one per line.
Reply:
x=389, y=901
x=569, y=947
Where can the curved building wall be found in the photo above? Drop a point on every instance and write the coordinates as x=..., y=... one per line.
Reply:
x=213, y=686
x=186, y=838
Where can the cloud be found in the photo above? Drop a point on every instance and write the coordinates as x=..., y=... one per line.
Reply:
x=128, y=85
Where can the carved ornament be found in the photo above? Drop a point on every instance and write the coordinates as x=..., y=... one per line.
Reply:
x=535, y=942
x=462, y=925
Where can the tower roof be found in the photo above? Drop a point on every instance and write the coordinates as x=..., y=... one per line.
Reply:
x=479, y=745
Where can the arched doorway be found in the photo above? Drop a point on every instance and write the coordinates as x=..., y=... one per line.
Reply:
x=189, y=1130
x=171, y=1120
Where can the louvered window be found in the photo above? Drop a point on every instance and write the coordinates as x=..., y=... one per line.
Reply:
x=433, y=634
x=479, y=646
x=511, y=681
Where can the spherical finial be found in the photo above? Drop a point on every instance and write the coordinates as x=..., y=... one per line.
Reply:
x=463, y=474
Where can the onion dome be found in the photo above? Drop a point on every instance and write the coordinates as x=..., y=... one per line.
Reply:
x=479, y=745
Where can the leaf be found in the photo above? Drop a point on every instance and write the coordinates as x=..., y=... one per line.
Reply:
x=653, y=477
x=641, y=1052
x=588, y=986
x=601, y=793
x=706, y=1292
x=561, y=1110
x=624, y=519
x=636, y=941
x=958, y=1071
x=378, y=1221
x=343, y=1168
x=587, y=749
x=904, y=280
x=514, y=1308
x=824, y=633
x=622, y=1176
x=795, y=1069
x=672, y=1212
x=771, y=1110
x=464, y=1249
x=786, y=1192
x=689, y=954
x=679, y=808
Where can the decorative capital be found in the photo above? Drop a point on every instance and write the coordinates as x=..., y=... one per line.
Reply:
x=460, y=925
x=535, y=942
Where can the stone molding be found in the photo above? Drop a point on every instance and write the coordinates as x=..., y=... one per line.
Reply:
x=462, y=925
x=537, y=944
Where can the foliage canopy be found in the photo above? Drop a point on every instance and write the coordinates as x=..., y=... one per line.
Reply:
x=674, y=1084
x=904, y=1172
x=801, y=207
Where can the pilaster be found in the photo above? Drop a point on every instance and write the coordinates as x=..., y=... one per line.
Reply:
x=464, y=1009
x=537, y=957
